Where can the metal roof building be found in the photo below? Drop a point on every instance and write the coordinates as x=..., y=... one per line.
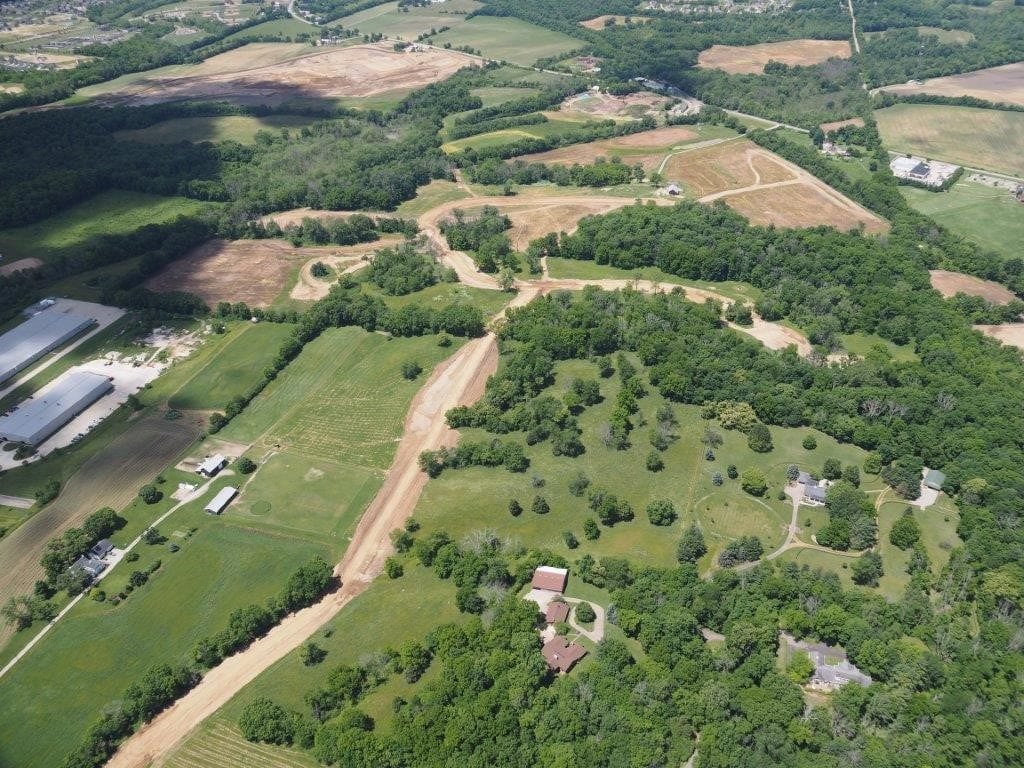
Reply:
x=43, y=332
x=53, y=406
x=221, y=500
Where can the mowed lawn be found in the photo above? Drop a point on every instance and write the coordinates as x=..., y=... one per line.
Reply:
x=990, y=217
x=553, y=127
x=343, y=399
x=240, y=128
x=57, y=691
x=109, y=213
x=508, y=39
x=991, y=139
x=235, y=367
x=463, y=501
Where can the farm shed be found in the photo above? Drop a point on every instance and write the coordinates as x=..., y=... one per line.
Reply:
x=550, y=579
x=934, y=479
x=53, y=406
x=221, y=500
x=212, y=465
x=42, y=333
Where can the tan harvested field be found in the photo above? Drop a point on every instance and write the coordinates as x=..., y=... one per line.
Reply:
x=951, y=283
x=20, y=264
x=750, y=59
x=1003, y=85
x=346, y=259
x=111, y=478
x=247, y=76
x=296, y=215
x=630, y=148
x=599, y=22
x=605, y=105
x=253, y=271
x=828, y=127
x=766, y=188
x=1011, y=334
x=55, y=60
x=11, y=88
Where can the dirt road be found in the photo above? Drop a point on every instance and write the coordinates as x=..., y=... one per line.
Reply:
x=459, y=380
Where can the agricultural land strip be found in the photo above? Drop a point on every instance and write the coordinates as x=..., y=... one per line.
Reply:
x=751, y=59
x=1002, y=85
x=951, y=283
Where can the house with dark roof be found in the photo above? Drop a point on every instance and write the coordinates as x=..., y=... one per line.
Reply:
x=90, y=566
x=561, y=655
x=814, y=494
x=101, y=549
x=831, y=667
x=806, y=479
x=934, y=479
x=556, y=612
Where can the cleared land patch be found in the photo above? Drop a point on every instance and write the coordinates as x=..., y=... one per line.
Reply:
x=1003, y=85
x=604, y=105
x=989, y=216
x=952, y=283
x=248, y=77
x=345, y=259
x=600, y=22
x=508, y=39
x=647, y=148
x=555, y=126
x=409, y=22
x=991, y=139
x=857, y=122
x=751, y=59
x=109, y=213
x=253, y=271
x=1011, y=334
x=240, y=128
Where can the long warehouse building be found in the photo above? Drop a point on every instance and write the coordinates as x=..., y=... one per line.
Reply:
x=53, y=406
x=42, y=333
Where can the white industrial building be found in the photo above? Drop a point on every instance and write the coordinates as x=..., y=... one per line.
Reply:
x=221, y=500
x=42, y=333
x=53, y=406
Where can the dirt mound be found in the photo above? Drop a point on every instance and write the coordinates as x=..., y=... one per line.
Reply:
x=951, y=283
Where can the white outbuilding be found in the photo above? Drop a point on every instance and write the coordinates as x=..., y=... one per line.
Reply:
x=221, y=500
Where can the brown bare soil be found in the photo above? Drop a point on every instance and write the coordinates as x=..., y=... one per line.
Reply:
x=347, y=259
x=829, y=127
x=1003, y=84
x=606, y=105
x=951, y=283
x=722, y=167
x=253, y=271
x=296, y=215
x=20, y=264
x=626, y=147
x=750, y=59
x=803, y=205
x=1011, y=334
x=361, y=70
x=111, y=478
x=599, y=21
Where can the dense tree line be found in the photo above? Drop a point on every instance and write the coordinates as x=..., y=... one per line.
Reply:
x=600, y=173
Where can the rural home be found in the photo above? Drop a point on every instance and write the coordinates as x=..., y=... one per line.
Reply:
x=221, y=500
x=814, y=491
x=561, y=655
x=90, y=566
x=210, y=466
x=557, y=611
x=550, y=579
x=831, y=667
x=101, y=549
x=934, y=479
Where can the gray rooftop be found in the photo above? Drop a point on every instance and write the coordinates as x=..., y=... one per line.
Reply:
x=43, y=332
x=935, y=479
x=53, y=406
x=806, y=479
x=815, y=493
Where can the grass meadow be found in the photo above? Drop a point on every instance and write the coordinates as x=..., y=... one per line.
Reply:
x=410, y=22
x=240, y=128
x=555, y=126
x=508, y=39
x=979, y=138
x=987, y=215
x=109, y=213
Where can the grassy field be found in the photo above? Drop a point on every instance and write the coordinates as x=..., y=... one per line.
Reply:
x=463, y=501
x=492, y=95
x=508, y=39
x=98, y=649
x=240, y=128
x=860, y=344
x=388, y=20
x=988, y=216
x=109, y=213
x=234, y=369
x=342, y=398
x=980, y=138
x=287, y=27
x=430, y=196
x=443, y=294
x=553, y=127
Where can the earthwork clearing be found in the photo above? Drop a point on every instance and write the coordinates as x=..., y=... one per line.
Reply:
x=647, y=148
x=600, y=22
x=1003, y=85
x=952, y=283
x=605, y=105
x=751, y=59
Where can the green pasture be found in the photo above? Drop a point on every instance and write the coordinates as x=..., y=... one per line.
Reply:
x=233, y=369
x=559, y=268
x=991, y=139
x=343, y=398
x=938, y=534
x=553, y=127
x=287, y=27
x=109, y=213
x=304, y=497
x=430, y=196
x=240, y=128
x=861, y=344
x=408, y=23
x=506, y=38
x=443, y=294
x=492, y=95
x=463, y=501
x=56, y=692
x=989, y=216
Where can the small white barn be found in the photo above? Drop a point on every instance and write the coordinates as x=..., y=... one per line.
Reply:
x=212, y=465
x=219, y=502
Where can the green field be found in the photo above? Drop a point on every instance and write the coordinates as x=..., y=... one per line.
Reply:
x=861, y=344
x=553, y=127
x=58, y=690
x=109, y=213
x=342, y=399
x=430, y=196
x=287, y=27
x=462, y=501
x=990, y=139
x=442, y=294
x=990, y=217
x=388, y=20
x=234, y=369
x=240, y=128
x=492, y=95
x=508, y=39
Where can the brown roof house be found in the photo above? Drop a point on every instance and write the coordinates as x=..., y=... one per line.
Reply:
x=561, y=655
x=550, y=579
x=557, y=611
